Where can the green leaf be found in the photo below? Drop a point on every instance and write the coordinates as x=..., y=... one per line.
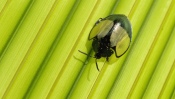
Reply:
x=40, y=39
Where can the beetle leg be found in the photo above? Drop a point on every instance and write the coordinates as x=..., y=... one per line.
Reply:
x=107, y=59
x=96, y=64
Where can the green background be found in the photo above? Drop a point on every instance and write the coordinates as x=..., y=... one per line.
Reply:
x=40, y=39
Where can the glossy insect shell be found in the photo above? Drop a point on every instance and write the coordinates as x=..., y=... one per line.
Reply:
x=111, y=35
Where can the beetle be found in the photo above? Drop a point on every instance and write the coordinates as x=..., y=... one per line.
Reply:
x=110, y=35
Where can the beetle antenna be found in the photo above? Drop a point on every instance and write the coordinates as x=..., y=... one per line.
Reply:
x=90, y=56
x=96, y=64
x=85, y=54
